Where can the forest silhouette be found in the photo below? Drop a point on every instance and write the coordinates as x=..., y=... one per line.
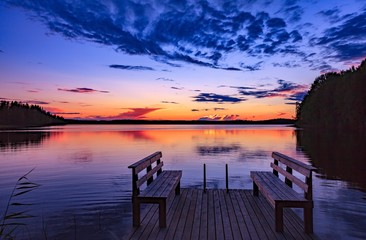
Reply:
x=336, y=101
x=17, y=115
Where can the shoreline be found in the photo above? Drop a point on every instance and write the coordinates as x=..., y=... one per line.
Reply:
x=156, y=122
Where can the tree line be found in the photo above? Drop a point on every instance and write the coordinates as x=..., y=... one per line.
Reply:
x=336, y=100
x=18, y=114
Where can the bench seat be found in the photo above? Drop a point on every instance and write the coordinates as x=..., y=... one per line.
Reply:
x=281, y=194
x=159, y=186
x=162, y=186
x=276, y=191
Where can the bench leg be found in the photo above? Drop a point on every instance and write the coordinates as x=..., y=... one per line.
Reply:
x=255, y=189
x=308, y=219
x=136, y=212
x=162, y=214
x=177, y=189
x=279, y=219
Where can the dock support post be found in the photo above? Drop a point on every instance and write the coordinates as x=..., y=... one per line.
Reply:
x=227, y=179
x=204, y=177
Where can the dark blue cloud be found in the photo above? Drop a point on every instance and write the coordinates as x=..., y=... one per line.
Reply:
x=345, y=41
x=285, y=86
x=202, y=33
x=276, y=23
x=298, y=97
x=37, y=102
x=331, y=14
x=251, y=68
x=285, y=89
x=208, y=109
x=177, y=88
x=81, y=90
x=1, y=51
x=127, y=67
x=212, y=97
x=294, y=13
x=287, y=64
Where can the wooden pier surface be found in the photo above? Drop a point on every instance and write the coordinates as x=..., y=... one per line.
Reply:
x=217, y=215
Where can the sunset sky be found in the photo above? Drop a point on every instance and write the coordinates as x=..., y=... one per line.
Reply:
x=185, y=60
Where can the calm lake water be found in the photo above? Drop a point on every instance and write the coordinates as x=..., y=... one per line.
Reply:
x=85, y=190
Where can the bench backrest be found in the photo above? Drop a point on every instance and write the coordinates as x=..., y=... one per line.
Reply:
x=145, y=163
x=300, y=167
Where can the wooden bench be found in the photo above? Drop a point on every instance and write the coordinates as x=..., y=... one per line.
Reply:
x=158, y=188
x=280, y=194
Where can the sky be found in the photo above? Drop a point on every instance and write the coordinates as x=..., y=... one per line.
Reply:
x=172, y=59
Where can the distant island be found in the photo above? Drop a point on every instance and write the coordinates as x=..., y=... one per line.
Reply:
x=15, y=115
x=201, y=122
x=336, y=101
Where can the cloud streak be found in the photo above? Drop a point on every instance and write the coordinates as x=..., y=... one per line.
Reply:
x=217, y=117
x=216, y=98
x=135, y=68
x=131, y=114
x=288, y=90
x=81, y=90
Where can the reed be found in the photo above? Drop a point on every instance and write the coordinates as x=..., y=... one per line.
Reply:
x=11, y=219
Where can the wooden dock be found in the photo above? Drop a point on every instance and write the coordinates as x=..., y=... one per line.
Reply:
x=217, y=215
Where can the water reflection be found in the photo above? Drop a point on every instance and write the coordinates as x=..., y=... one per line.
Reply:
x=216, y=150
x=86, y=183
x=338, y=155
x=17, y=140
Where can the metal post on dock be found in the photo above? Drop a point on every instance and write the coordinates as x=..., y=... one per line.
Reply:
x=204, y=177
x=227, y=179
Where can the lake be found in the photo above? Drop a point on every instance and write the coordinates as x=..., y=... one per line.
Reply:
x=85, y=185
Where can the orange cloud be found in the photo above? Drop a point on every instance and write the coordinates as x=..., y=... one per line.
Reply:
x=133, y=113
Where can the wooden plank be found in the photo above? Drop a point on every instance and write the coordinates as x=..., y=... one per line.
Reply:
x=211, y=227
x=197, y=217
x=203, y=234
x=238, y=215
x=145, y=214
x=145, y=223
x=187, y=233
x=262, y=218
x=218, y=216
x=172, y=206
x=232, y=220
x=268, y=211
x=186, y=218
x=250, y=221
x=291, y=177
x=294, y=164
x=143, y=163
x=148, y=175
x=176, y=218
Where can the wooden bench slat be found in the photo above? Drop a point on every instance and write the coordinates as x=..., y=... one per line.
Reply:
x=144, y=178
x=286, y=193
x=291, y=177
x=145, y=162
x=155, y=185
x=298, y=166
x=173, y=180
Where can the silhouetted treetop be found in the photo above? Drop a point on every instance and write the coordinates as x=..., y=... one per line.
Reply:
x=336, y=100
